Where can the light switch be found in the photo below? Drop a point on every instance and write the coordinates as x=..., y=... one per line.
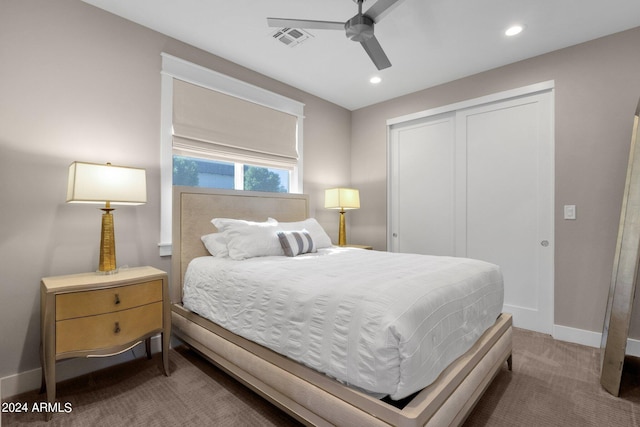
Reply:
x=569, y=211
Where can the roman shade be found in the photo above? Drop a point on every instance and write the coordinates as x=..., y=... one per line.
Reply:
x=209, y=122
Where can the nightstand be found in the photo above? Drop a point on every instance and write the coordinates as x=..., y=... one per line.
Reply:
x=94, y=315
x=359, y=246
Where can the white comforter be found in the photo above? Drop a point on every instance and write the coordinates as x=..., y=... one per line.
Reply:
x=384, y=322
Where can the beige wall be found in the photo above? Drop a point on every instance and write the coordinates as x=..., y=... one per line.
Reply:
x=77, y=83
x=597, y=85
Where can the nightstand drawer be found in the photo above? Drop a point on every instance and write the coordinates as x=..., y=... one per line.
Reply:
x=107, y=330
x=89, y=303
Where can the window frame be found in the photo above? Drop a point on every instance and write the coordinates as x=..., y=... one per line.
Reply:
x=173, y=67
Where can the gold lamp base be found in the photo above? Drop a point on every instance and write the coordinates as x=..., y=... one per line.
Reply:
x=342, y=231
x=107, y=263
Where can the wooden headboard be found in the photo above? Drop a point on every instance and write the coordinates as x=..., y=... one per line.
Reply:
x=194, y=208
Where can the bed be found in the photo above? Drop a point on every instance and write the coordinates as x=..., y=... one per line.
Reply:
x=312, y=397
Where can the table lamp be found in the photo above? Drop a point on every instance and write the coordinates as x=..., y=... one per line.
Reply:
x=111, y=185
x=343, y=199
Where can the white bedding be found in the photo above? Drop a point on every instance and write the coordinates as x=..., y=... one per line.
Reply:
x=384, y=322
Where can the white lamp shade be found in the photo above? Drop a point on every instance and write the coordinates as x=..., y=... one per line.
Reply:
x=342, y=198
x=100, y=183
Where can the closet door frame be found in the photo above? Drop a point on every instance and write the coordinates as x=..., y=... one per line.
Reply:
x=546, y=324
x=451, y=108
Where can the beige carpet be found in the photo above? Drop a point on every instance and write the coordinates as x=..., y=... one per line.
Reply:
x=138, y=394
x=555, y=383
x=552, y=384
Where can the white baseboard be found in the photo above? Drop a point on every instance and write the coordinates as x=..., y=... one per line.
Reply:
x=590, y=338
x=577, y=336
x=23, y=382
x=633, y=347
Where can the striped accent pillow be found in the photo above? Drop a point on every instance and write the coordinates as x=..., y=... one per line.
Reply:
x=295, y=243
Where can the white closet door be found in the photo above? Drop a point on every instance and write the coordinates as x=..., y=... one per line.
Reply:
x=478, y=182
x=509, y=201
x=422, y=187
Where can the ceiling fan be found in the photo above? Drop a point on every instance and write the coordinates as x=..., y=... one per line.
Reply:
x=359, y=28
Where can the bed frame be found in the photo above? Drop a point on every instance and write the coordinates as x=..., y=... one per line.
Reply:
x=309, y=396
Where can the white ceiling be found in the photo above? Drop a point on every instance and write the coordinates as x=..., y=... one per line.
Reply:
x=429, y=42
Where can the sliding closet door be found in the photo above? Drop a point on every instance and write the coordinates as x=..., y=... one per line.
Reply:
x=422, y=186
x=509, y=201
x=478, y=182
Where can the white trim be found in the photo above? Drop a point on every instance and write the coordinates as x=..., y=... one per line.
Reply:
x=591, y=339
x=166, y=163
x=577, y=336
x=633, y=347
x=238, y=174
x=173, y=67
x=165, y=248
x=499, y=96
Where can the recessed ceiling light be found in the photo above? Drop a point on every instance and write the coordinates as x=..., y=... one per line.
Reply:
x=514, y=30
x=375, y=80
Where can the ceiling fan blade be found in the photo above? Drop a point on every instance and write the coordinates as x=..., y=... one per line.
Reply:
x=305, y=23
x=375, y=52
x=380, y=9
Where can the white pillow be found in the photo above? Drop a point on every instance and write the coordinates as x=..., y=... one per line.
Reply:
x=253, y=240
x=216, y=244
x=320, y=237
x=296, y=243
x=223, y=224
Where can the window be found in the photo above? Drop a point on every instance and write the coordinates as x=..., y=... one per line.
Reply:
x=196, y=172
x=219, y=132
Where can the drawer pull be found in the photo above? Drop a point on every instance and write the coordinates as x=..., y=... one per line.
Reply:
x=117, y=328
x=117, y=299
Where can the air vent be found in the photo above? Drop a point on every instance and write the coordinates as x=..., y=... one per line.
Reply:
x=291, y=36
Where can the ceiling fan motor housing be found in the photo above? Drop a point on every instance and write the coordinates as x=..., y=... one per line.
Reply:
x=359, y=28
